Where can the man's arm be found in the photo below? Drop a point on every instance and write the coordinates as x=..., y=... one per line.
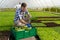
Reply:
x=21, y=20
x=29, y=15
x=20, y=17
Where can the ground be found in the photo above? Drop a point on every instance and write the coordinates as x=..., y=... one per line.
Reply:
x=45, y=32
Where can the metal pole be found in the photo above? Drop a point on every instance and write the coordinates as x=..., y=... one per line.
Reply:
x=54, y=5
x=42, y=4
x=48, y=6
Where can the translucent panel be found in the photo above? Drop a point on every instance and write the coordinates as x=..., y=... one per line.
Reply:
x=31, y=3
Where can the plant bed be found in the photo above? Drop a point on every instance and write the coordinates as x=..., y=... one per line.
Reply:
x=38, y=24
x=51, y=24
x=36, y=21
x=49, y=17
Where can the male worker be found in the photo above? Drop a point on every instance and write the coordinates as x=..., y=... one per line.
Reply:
x=22, y=16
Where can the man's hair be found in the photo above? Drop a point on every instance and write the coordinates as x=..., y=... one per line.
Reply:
x=23, y=5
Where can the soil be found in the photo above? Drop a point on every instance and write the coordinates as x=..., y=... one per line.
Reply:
x=4, y=35
x=51, y=24
x=36, y=21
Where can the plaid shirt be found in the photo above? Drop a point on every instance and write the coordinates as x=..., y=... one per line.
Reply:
x=19, y=14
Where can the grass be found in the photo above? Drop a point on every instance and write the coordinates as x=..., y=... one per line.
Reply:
x=45, y=33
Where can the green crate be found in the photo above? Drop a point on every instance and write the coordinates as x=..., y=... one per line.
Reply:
x=26, y=34
x=33, y=32
x=23, y=34
x=19, y=37
x=17, y=34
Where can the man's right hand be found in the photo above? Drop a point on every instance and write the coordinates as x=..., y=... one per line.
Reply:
x=29, y=25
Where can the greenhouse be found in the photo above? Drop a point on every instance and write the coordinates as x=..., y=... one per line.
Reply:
x=44, y=23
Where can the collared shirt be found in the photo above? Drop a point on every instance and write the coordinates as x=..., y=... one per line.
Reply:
x=20, y=15
x=18, y=6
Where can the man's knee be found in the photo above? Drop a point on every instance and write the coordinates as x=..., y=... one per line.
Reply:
x=20, y=24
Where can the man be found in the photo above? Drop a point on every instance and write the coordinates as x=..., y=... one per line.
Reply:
x=22, y=16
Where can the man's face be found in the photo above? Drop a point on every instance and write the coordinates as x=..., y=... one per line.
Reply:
x=24, y=8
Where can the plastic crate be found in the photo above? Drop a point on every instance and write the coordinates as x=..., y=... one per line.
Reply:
x=17, y=34
x=23, y=34
x=33, y=32
x=26, y=34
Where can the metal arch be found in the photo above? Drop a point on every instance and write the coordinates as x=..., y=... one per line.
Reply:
x=32, y=0
x=35, y=2
x=1, y=2
x=53, y=3
x=38, y=4
x=5, y=4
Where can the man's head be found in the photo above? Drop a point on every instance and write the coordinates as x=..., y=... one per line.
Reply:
x=23, y=6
